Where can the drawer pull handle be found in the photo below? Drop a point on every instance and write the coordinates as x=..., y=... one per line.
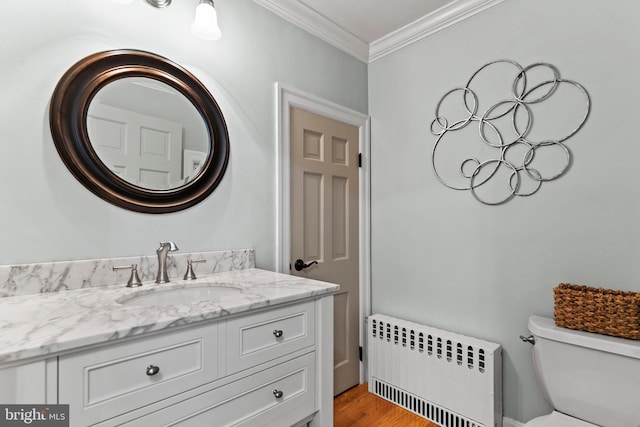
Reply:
x=278, y=394
x=278, y=333
x=152, y=370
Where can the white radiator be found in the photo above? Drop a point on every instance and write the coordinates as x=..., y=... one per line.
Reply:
x=447, y=378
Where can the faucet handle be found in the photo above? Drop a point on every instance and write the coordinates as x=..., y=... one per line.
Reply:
x=171, y=245
x=190, y=275
x=134, y=279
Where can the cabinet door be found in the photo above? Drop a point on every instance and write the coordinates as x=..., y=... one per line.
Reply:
x=27, y=383
x=264, y=336
x=102, y=383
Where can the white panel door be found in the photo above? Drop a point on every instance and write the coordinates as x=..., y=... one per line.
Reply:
x=324, y=224
x=143, y=150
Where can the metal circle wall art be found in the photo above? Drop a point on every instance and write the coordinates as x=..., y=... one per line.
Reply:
x=506, y=156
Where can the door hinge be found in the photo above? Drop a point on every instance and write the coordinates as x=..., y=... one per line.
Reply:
x=359, y=160
x=360, y=353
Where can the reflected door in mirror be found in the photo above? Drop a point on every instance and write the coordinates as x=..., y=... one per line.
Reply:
x=141, y=149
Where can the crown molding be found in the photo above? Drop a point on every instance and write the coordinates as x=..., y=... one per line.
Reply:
x=438, y=20
x=311, y=21
x=318, y=25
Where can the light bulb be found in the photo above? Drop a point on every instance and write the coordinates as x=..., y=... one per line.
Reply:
x=205, y=25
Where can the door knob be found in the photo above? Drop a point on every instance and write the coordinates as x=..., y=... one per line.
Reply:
x=300, y=264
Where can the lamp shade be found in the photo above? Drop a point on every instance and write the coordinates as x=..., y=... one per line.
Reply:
x=205, y=24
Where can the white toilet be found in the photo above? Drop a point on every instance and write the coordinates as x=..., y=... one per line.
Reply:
x=589, y=379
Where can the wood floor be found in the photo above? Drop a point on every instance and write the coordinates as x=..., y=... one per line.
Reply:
x=357, y=407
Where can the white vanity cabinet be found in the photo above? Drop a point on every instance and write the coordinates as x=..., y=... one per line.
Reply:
x=272, y=366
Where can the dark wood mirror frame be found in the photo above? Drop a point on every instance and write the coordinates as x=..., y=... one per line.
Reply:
x=68, y=121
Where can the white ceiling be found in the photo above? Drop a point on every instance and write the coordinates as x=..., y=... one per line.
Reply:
x=370, y=20
x=370, y=29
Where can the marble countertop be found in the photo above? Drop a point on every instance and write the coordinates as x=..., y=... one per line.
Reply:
x=42, y=324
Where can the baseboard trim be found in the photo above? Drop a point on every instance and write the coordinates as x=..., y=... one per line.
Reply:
x=508, y=422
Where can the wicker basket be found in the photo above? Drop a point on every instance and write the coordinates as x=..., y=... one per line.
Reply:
x=598, y=310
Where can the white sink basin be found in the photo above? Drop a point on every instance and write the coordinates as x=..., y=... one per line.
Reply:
x=187, y=295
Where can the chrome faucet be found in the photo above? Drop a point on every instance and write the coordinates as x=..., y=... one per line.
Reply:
x=162, y=251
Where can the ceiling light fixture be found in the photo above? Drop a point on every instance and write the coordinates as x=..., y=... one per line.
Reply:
x=205, y=25
x=159, y=3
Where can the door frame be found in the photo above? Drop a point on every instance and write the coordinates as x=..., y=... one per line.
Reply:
x=287, y=97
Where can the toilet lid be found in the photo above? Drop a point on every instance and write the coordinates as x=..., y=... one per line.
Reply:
x=546, y=328
x=556, y=419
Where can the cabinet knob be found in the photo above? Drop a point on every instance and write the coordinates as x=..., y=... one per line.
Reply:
x=152, y=370
x=278, y=393
x=278, y=333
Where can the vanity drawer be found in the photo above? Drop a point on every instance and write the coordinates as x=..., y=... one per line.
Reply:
x=251, y=401
x=104, y=382
x=264, y=336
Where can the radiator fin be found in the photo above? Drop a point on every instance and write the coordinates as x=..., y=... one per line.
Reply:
x=450, y=379
x=419, y=406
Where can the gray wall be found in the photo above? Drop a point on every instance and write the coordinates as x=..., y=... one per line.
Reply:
x=442, y=258
x=46, y=215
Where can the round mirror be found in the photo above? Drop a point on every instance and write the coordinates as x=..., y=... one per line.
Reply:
x=139, y=131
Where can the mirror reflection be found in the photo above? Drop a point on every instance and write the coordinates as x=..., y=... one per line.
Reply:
x=148, y=133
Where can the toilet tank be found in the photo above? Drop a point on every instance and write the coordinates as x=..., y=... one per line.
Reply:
x=589, y=376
